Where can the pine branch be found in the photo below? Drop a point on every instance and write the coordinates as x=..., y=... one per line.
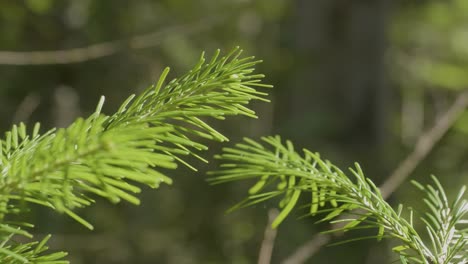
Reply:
x=422, y=148
x=444, y=223
x=333, y=194
x=15, y=253
x=106, y=155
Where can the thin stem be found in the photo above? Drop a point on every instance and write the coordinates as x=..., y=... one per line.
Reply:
x=266, y=249
x=99, y=50
x=424, y=145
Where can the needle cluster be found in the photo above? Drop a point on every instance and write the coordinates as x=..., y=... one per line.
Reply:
x=349, y=202
x=111, y=155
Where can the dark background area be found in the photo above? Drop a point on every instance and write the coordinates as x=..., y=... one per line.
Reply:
x=355, y=80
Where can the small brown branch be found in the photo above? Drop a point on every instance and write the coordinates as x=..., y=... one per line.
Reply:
x=308, y=249
x=423, y=147
x=95, y=51
x=66, y=106
x=26, y=108
x=266, y=249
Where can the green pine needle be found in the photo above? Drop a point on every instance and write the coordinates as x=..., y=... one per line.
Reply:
x=352, y=201
x=107, y=155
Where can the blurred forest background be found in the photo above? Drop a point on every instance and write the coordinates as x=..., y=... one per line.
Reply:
x=355, y=80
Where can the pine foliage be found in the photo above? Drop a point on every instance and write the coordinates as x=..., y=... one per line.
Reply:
x=109, y=155
x=352, y=202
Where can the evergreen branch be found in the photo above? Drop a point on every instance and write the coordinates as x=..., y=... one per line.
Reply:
x=422, y=148
x=445, y=222
x=106, y=155
x=277, y=164
x=17, y=253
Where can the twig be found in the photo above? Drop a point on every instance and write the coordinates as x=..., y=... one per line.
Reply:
x=95, y=51
x=308, y=249
x=66, y=104
x=26, y=108
x=424, y=145
x=266, y=249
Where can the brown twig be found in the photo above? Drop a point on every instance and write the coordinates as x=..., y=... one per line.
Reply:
x=308, y=249
x=95, y=51
x=266, y=249
x=26, y=108
x=66, y=105
x=424, y=145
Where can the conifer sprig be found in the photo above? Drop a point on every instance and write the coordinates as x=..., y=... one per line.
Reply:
x=356, y=203
x=105, y=155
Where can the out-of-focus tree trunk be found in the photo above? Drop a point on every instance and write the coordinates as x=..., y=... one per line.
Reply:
x=338, y=97
x=340, y=48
